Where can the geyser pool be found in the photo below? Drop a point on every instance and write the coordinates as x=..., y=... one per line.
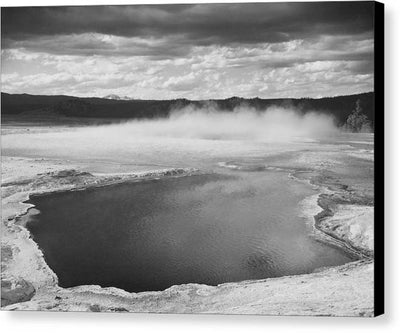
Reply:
x=153, y=234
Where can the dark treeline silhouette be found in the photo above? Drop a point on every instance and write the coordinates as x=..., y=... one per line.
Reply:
x=31, y=106
x=357, y=121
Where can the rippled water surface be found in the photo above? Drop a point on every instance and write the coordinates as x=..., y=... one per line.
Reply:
x=199, y=229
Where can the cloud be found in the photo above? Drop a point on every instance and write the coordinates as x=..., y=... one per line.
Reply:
x=204, y=24
x=191, y=51
x=184, y=82
x=206, y=73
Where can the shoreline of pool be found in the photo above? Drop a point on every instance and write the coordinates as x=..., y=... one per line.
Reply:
x=35, y=287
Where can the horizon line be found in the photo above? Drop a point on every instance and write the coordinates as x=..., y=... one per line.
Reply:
x=183, y=98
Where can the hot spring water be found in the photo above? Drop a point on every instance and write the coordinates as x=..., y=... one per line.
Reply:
x=207, y=229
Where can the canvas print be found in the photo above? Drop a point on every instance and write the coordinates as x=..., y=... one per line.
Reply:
x=192, y=158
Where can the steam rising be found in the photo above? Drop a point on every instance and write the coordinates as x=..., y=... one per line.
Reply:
x=274, y=124
x=188, y=138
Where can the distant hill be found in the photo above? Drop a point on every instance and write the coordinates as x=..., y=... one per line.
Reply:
x=89, y=107
x=118, y=98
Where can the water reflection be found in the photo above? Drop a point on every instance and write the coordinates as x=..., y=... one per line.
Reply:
x=208, y=229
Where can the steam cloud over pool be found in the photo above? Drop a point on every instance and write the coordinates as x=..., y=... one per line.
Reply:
x=273, y=124
x=199, y=138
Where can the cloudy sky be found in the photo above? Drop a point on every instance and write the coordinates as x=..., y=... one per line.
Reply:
x=192, y=51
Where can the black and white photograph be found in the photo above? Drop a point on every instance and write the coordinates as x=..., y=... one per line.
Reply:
x=202, y=158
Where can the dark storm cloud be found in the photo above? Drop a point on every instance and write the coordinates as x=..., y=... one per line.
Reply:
x=187, y=25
